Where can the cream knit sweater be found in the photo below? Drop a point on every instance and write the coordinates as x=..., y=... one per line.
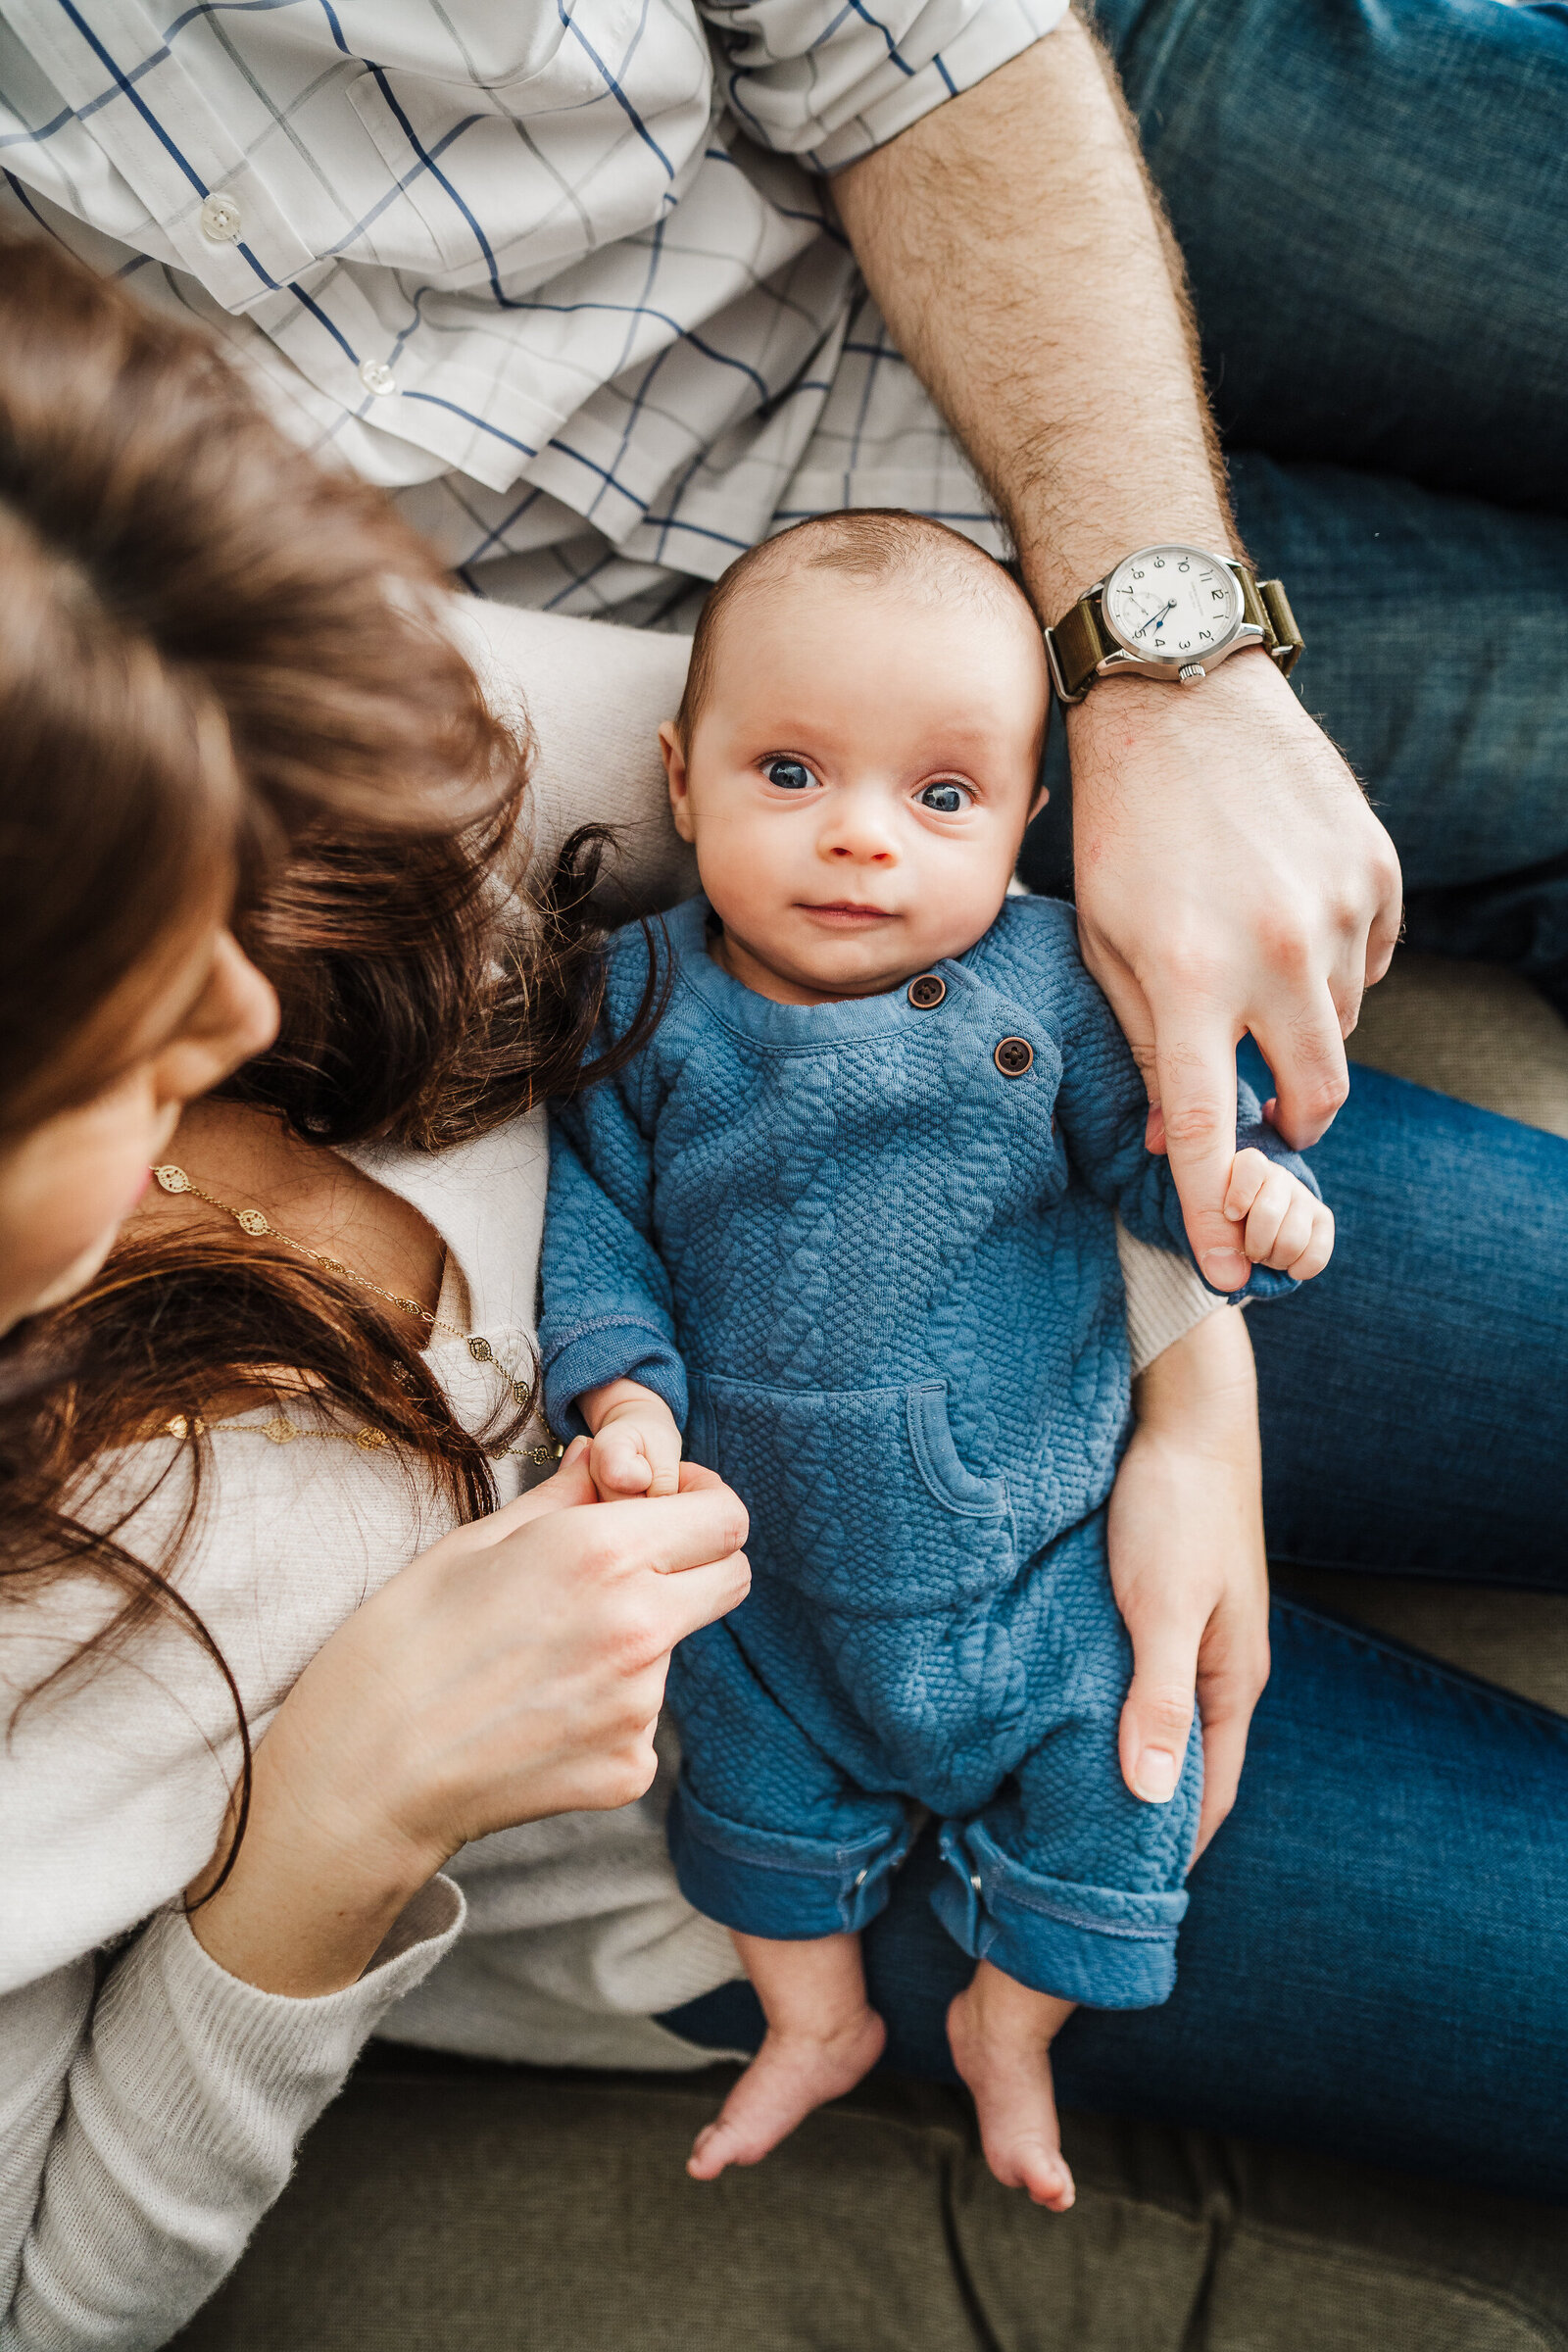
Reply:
x=150, y=2104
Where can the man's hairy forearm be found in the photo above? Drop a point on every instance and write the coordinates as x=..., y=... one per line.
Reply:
x=1020, y=257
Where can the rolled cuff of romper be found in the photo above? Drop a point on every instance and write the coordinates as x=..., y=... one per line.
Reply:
x=597, y=1353
x=774, y=1882
x=1096, y=1945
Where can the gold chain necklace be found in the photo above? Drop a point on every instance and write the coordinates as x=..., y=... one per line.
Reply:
x=251, y=1220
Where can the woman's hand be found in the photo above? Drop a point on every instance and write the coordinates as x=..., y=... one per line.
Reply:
x=1188, y=1567
x=515, y=1670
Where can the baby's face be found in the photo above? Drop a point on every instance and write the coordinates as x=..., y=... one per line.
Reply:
x=859, y=778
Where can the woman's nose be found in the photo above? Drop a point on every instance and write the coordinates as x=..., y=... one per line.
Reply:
x=236, y=1019
x=245, y=1015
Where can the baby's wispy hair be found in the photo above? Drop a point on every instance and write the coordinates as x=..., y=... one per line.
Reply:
x=876, y=545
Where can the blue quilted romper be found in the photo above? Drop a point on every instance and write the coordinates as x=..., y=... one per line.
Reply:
x=866, y=1252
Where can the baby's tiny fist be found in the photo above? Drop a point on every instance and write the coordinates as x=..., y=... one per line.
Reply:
x=618, y=1464
x=1283, y=1225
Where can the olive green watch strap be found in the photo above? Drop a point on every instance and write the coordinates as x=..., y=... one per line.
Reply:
x=1079, y=642
x=1266, y=604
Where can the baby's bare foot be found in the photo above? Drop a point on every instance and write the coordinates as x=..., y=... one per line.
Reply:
x=1001, y=2034
x=791, y=2073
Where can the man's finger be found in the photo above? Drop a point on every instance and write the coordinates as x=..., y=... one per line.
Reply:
x=1156, y=1719
x=1388, y=921
x=1124, y=994
x=1301, y=1039
x=1197, y=1075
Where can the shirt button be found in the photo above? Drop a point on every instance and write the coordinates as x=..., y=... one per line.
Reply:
x=221, y=218
x=1014, y=1057
x=377, y=378
x=927, y=992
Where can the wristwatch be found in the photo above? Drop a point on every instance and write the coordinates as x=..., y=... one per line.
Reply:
x=1169, y=612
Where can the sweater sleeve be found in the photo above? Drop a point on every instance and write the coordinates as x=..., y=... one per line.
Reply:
x=145, y=2131
x=607, y=1311
x=1102, y=1108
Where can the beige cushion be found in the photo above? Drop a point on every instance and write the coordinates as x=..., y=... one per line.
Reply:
x=1471, y=1030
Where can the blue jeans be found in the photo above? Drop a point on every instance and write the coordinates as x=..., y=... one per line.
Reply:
x=1370, y=199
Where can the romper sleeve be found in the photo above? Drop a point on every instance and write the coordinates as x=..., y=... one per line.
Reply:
x=146, y=2126
x=607, y=1309
x=828, y=84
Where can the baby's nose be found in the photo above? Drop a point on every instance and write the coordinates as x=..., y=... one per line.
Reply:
x=859, y=835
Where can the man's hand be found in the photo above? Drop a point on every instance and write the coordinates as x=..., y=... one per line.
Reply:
x=1231, y=877
x=1185, y=1536
x=1229, y=873
x=636, y=1444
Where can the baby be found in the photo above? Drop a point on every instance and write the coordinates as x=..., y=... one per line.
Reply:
x=848, y=1221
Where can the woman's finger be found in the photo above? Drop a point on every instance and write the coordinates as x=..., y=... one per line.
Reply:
x=1232, y=1671
x=701, y=1596
x=566, y=1488
x=670, y=1533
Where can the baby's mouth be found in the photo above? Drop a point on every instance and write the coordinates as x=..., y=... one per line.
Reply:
x=845, y=911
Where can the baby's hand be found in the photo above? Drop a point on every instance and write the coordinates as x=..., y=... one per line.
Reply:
x=636, y=1444
x=1283, y=1225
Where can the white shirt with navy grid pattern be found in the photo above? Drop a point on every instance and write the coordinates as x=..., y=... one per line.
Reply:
x=563, y=275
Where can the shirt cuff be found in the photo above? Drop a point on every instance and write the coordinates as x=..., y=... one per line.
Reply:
x=1166, y=1297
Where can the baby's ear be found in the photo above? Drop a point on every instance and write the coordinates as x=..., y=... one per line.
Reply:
x=673, y=753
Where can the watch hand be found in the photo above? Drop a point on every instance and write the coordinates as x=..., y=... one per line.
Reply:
x=1155, y=621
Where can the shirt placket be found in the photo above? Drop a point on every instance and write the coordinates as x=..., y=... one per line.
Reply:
x=225, y=222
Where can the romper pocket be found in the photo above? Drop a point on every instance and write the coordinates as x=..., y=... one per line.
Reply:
x=858, y=1497
x=936, y=1456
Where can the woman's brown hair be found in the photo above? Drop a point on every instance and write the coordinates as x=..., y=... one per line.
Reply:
x=223, y=667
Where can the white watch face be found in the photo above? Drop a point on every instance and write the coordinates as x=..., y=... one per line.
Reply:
x=1172, y=603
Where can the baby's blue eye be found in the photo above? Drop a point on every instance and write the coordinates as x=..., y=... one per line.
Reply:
x=947, y=800
x=790, y=776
